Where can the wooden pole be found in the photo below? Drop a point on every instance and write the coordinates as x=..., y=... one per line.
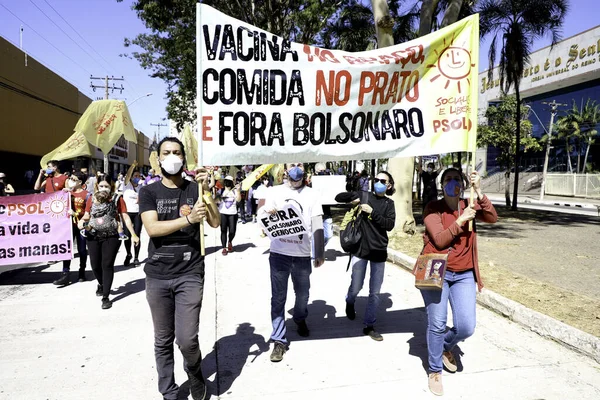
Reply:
x=472, y=195
x=199, y=117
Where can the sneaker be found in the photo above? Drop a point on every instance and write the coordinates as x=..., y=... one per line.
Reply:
x=63, y=280
x=127, y=260
x=136, y=261
x=278, y=352
x=106, y=303
x=81, y=275
x=373, y=334
x=435, y=383
x=449, y=361
x=350, y=311
x=99, y=290
x=302, y=328
x=224, y=252
x=254, y=220
x=197, y=387
x=229, y=247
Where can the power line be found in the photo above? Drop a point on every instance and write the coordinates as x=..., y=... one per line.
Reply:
x=135, y=91
x=63, y=31
x=46, y=40
x=82, y=38
x=82, y=88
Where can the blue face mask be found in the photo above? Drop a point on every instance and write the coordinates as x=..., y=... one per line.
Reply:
x=49, y=171
x=452, y=188
x=296, y=174
x=135, y=180
x=380, y=188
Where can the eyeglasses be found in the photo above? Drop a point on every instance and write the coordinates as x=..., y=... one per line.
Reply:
x=384, y=181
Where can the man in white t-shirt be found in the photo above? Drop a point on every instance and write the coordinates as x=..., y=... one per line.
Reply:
x=292, y=255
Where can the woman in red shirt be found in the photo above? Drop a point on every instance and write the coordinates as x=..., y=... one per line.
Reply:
x=103, y=247
x=447, y=232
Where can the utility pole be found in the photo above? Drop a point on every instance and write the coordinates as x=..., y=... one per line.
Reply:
x=553, y=111
x=106, y=89
x=159, y=125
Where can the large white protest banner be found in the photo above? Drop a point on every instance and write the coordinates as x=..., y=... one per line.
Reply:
x=264, y=99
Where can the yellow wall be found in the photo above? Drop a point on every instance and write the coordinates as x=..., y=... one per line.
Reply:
x=34, y=126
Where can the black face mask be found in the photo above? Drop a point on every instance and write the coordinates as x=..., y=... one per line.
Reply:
x=228, y=184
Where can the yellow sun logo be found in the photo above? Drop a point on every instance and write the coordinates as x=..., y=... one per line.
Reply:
x=56, y=206
x=454, y=63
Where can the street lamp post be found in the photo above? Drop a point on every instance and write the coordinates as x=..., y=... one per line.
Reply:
x=553, y=111
x=146, y=95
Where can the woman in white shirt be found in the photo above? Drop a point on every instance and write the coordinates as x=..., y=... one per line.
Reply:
x=228, y=197
x=130, y=195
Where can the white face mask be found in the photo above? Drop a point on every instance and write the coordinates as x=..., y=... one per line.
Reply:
x=70, y=184
x=172, y=164
x=104, y=189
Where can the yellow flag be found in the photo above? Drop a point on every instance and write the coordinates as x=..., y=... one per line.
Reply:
x=75, y=146
x=277, y=173
x=255, y=175
x=190, y=143
x=104, y=122
x=154, y=162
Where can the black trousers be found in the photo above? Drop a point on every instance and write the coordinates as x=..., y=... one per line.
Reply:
x=136, y=220
x=81, y=250
x=228, y=222
x=103, y=253
x=175, y=307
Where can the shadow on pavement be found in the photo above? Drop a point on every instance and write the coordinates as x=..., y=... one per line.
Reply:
x=37, y=275
x=239, y=248
x=325, y=323
x=30, y=276
x=232, y=353
x=128, y=289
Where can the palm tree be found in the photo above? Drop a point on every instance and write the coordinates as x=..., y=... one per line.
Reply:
x=579, y=125
x=515, y=25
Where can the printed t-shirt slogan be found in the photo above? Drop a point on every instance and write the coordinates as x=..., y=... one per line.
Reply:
x=264, y=99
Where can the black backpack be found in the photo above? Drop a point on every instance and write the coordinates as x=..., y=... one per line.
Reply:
x=103, y=220
x=351, y=232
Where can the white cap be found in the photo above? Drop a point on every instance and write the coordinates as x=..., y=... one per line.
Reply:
x=2, y=175
x=229, y=178
x=320, y=167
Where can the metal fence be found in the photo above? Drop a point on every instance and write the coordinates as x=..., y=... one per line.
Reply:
x=577, y=185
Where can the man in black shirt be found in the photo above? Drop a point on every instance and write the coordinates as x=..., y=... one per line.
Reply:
x=172, y=212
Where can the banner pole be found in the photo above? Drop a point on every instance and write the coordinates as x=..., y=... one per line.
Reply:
x=199, y=116
x=472, y=195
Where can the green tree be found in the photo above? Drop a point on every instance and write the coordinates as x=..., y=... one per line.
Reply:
x=403, y=168
x=499, y=131
x=514, y=26
x=579, y=126
x=169, y=51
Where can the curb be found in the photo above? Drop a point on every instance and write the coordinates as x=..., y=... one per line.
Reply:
x=539, y=323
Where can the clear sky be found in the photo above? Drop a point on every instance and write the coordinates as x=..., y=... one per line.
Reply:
x=105, y=23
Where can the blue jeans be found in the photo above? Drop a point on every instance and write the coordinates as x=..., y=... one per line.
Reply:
x=459, y=288
x=282, y=267
x=359, y=270
x=175, y=308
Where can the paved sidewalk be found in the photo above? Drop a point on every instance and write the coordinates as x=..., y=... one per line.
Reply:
x=58, y=344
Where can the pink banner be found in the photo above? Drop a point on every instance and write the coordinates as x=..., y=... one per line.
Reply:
x=35, y=228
